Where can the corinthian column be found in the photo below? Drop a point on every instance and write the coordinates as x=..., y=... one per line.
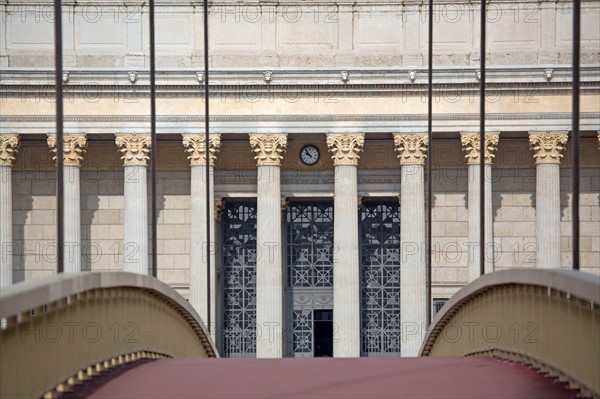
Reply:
x=470, y=142
x=195, y=145
x=268, y=150
x=547, y=149
x=8, y=147
x=73, y=147
x=134, y=149
x=345, y=150
x=412, y=149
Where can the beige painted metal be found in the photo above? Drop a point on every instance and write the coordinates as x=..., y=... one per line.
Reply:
x=547, y=319
x=65, y=328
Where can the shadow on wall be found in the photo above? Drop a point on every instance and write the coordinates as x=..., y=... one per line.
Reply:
x=89, y=204
x=25, y=185
x=160, y=206
x=101, y=209
x=168, y=183
x=517, y=183
x=102, y=212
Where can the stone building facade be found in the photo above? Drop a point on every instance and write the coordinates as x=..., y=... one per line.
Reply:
x=317, y=158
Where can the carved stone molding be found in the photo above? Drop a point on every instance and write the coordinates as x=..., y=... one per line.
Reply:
x=345, y=149
x=268, y=148
x=470, y=142
x=547, y=146
x=74, y=146
x=134, y=147
x=9, y=145
x=411, y=147
x=195, y=146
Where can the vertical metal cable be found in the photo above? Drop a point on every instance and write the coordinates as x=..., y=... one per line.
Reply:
x=58, y=83
x=482, y=144
x=429, y=163
x=575, y=132
x=207, y=152
x=153, y=145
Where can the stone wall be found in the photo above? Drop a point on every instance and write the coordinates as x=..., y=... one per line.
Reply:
x=112, y=34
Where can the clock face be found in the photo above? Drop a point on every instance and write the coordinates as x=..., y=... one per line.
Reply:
x=309, y=154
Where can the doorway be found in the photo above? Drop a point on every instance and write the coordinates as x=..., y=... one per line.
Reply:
x=323, y=333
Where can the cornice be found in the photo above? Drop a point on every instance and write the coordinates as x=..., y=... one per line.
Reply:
x=300, y=118
x=100, y=83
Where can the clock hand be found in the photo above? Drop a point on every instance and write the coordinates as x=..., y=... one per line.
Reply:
x=306, y=152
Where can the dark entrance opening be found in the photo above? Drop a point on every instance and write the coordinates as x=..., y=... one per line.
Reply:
x=323, y=329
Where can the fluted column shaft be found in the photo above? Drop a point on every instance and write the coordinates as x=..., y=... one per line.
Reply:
x=6, y=249
x=9, y=145
x=471, y=143
x=268, y=149
x=412, y=150
x=201, y=199
x=345, y=149
x=489, y=221
x=547, y=149
x=413, y=273
x=473, y=200
x=346, y=266
x=547, y=199
x=72, y=219
x=135, y=220
x=474, y=221
x=73, y=147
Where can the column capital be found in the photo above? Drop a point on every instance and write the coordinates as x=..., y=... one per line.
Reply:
x=345, y=148
x=411, y=147
x=195, y=146
x=9, y=145
x=74, y=146
x=268, y=148
x=134, y=147
x=470, y=142
x=547, y=146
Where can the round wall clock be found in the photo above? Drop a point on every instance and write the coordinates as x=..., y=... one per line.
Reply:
x=309, y=154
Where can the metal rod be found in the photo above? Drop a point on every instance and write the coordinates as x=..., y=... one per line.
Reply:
x=58, y=70
x=575, y=132
x=207, y=152
x=153, y=141
x=429, y=163
x=482, y=144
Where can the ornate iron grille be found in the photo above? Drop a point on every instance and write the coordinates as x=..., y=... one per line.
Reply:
x=238, y=250
x=380, y=274
x=303, y=333
x=310, y=244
